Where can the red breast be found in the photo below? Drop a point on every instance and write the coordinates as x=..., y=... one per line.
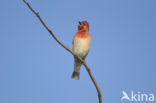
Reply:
x=81, y=35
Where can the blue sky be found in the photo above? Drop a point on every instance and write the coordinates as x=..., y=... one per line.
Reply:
x=35, y=69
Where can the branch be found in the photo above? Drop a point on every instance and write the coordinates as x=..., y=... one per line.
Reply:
x=83, y=62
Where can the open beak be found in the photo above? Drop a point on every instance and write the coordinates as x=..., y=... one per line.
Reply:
x=79, y=23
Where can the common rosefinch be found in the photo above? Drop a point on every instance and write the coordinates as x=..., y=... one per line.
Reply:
x=81, y=46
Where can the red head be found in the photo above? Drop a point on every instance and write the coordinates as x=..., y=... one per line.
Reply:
x=83, y=26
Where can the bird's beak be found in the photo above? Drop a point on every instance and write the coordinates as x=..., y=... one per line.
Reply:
x=79, y=23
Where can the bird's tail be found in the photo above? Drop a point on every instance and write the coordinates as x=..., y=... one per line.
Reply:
x=76, y=75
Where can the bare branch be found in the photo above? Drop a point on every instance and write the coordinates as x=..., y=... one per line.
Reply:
x=83, y=62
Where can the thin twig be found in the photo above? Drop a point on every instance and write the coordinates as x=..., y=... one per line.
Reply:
x=83, y=62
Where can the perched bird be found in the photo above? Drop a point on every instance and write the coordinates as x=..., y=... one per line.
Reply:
x=81, y=46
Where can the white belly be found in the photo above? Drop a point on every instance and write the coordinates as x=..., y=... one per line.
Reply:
x=81, y=46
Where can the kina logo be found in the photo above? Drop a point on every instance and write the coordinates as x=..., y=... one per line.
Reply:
x=138, y=96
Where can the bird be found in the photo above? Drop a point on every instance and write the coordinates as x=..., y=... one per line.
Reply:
x=125, y=96
x=81, y=46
